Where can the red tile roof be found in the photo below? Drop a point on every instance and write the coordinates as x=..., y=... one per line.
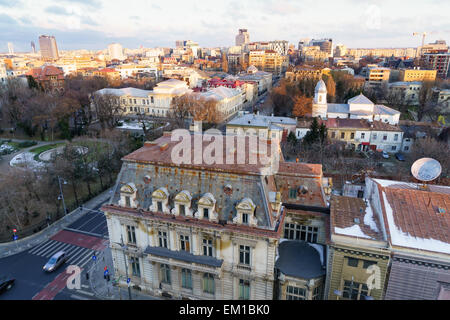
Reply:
x=420, y=214
x=344, y=211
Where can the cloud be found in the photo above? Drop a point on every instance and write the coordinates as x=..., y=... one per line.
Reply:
x=10, y=3
x=89, y=3
x=58, y=10
x=6, y=20
x=88, y=21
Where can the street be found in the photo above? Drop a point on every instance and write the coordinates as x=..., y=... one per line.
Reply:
x=80, y=241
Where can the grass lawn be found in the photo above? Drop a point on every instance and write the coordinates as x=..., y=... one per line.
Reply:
x=37, y=151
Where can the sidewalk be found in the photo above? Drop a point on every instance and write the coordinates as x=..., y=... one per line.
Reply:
x=14, y=247
x=105, y=290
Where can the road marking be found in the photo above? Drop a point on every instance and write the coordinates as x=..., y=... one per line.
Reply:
x=85, y=261
x=85, y=292
x=56, y=245
x=60, y=248
x=75, y=253
x=79, y=256
x=85, y=286
x=41, y=247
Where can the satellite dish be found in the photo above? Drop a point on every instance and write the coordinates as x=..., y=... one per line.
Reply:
x=426, y=169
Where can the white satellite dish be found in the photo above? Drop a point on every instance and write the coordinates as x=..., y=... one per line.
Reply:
x=426, y=169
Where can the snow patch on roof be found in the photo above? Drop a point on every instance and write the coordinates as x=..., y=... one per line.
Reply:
x=354, y=231
x=368, y=219
x=400, y=238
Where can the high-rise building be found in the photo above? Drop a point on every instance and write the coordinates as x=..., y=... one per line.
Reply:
x=33, y=47
x=49, y=49
x=115, y=51
x=439, y=60
x=280, y=46
x=10, y=48
x=326, y=45
x=243, y=37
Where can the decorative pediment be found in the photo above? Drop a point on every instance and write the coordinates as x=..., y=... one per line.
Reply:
x=184, y=196
x=161, y=194
x=128, y=188
x=246, y=205
x=207, y=200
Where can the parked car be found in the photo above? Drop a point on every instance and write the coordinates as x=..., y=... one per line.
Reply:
x=385, y=155
x=6, y=283
x=400, y=157
x=55, y=261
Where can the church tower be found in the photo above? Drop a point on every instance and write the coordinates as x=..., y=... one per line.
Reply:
x=320, y=106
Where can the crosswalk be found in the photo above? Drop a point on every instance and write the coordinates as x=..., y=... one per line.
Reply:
x=78, y=256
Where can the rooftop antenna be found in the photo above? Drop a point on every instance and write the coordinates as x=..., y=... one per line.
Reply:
x=426, y=170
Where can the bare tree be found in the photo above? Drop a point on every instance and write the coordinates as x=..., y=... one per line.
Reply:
x=108, y=109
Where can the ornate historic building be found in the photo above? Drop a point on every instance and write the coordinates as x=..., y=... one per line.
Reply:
x=203, y=231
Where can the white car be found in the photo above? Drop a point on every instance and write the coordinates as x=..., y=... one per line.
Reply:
x=385, y=155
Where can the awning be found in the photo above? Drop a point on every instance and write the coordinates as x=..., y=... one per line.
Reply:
x=366, y=143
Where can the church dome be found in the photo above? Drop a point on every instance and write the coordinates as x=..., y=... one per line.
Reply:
x=321, y=87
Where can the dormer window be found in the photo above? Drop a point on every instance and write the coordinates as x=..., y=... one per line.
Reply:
x=206, y=208
x=128, y=196
x=245, y=213
x=160, y=201
x=183, y=204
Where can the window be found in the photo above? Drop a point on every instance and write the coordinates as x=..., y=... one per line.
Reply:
x=317, y=293
x=206, y=213
x=160, y=207
x=186, y=278
x=352, y=135
x=352, y=262
x=184, y=243
x=165, y=273
x=396, y=137
x=374, y=136
x=162, y=236
x=151, y=99
x=292, y=193
x=295, y=293
x=342, y=135
x=131, y=101
x=182, y=208
x=394, y=148
x=208, y=283
x=207, y=247
x=295, y=231
x=127, y=201
x=244, y=289
x=134, y=101
x=363, y=135
x=244, y=255
x=368, y=263
x=135, y=268
x=131, y=231
x=245, y=218
x=385, y=137
x=406, y=148
x=333, y=135
x=354, y=290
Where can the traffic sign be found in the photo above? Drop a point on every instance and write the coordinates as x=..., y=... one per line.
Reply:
x=15, y=237
x=128, y=280
x=14, y=230
x=94, y=257
x=106, y=268
x=106, y=272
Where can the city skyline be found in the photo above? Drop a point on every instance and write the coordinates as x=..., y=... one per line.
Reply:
x=92, y=25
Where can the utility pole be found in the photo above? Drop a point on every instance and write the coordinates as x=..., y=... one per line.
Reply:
x=124, y=247
x=62, y=195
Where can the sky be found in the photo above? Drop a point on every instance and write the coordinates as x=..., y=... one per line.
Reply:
x=93, y=24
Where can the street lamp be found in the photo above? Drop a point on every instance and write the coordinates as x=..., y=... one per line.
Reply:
x=61, y=195
x=124, y=247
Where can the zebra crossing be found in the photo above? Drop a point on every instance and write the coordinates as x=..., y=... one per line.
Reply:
x=77, y=255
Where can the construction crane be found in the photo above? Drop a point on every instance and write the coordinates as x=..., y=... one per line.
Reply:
x=424, y=34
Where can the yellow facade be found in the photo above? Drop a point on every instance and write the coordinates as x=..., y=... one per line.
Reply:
x=410, y=75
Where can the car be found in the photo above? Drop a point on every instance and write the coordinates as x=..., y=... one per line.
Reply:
x=55, y=261
x=6, y=283
x=400, y=157
x=385, y=155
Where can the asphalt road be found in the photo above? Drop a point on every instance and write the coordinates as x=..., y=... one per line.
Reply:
x=26, y=267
